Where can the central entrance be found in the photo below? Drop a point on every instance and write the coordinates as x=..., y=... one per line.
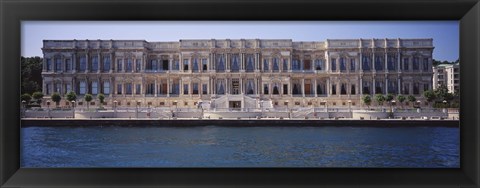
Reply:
x=236, y=105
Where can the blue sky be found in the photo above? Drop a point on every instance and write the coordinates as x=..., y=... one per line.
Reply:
x=445, y=34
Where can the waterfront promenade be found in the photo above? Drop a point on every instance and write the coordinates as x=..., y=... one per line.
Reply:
x=305, y=113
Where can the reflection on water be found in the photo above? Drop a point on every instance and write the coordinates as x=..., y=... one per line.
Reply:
x=212, y=146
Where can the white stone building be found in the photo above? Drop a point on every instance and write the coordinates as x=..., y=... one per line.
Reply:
x=448, y=75
x=245, y=73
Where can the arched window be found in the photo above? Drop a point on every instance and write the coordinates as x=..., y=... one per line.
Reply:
x=195, y=65
x=275, y=89
x=235, y=66
x=250, y=61
x=220, y=66
x=276, y=67
x=343, y=89
x=250, y=87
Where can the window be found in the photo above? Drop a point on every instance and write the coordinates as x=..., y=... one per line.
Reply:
x=176, y=65
x=48, y=89
x=129, y=66
x=94, y=64
x=68, y=64
x=285, y=65
x=68, y=88
x=366, y=87
x=119, y=89
x=405, y=64
x=276, y=67
x=106, y=87
x=365, y=63
x=343, y=67
x=352, y=89
x=58, y=64
x=106, y=63
x=204, y=89
x=250, y=63
x=406, y=89
x=234, y=65
x=138, y=89
x=391, y=63
x=204, y=64
x=195, y=65
x=220, y=87
x=164, y=65
x=319, y=64
x=285, y=89
x=265, y=89
x=343, y=89
x=185, y=64
x=128, y=88
x=94, y=87
x=153, y=65
x=275, y=89
x=185, y=89
x=334, y=64
x=334, y=89
x=392, y=87
x=220, y=65
x=138, y=65
x=119, y=64
x=352, y=65
x=250, y=87
x=58, y=88
x=426, y=87
x=441, y=76
x=82, y=88
x=379, y=87
x=265, y=65
x=295, y=64
x=83, y=63
x=416, y=89
x=416, y=64
x=425, y=64
x=195, y=89
x=49, y=64
x=378, y=63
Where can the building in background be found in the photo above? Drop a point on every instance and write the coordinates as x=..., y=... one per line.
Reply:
x=448, y=75
x=245, y=73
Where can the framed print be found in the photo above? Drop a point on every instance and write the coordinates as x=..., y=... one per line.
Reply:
x=239, y=94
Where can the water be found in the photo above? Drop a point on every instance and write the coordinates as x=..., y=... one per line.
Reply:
x=212, y=146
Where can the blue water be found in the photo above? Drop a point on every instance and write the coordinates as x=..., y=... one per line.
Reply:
x=212, y=146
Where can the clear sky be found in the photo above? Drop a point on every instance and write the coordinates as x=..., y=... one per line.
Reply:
x=445, y=34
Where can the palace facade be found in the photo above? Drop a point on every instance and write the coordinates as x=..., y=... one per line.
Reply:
x=245, y=73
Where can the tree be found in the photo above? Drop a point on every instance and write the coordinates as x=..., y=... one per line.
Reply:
x=389, y=97
x=31, y=74
x=88, y=98
x=367, y=100
x=56, y=98
x=401, y=99
x=71, y=96
x=101, y=98
x=429, y=95
x=26, y=97
x=412, y=99
x=380, y=99
x=442, y=93
x=38, y=96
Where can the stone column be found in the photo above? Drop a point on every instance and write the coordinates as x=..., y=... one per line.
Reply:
x=374, y=88
x=87, y=63
x=155, y=88
x=386, y=85
x=303, y=87
x=386, y=61
x=398, y=61
x=315, y=87
x=360, y=66
x=398, y=85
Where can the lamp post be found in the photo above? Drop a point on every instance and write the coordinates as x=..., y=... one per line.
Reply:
x=444, y=106
x=349, y=105
x=24, y=107
x=48, y=108
x=391, y=104
x=115, y=108
x=138, y=103
x=73, y=104
x=418, y=103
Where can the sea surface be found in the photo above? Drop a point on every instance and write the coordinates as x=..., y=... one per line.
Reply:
x=221, y=146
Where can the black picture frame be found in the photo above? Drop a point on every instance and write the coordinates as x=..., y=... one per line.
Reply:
x=13, y=12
